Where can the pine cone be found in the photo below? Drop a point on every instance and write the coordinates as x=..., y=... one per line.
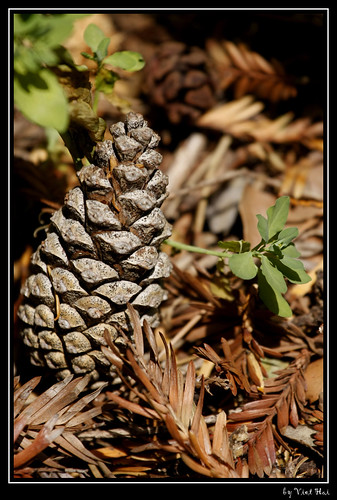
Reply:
x=178, y=79
x=101, y=252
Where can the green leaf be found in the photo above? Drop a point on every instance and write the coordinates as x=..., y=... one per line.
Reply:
x=102, y=49
x=276, y=219
x=25, y=60
x=292, y=269
x=127, y=60
x=235, y=246
x=291, y=251
x=276, y=250
x=93, y=36
x=57, y=28
x=40, y=98
x=82, y=114
x=48, y=30
x=242, y=265
x=37, y=39
x=286, y=236
x=277, y=216
x=273, y=275
x=24, y=24
x=46, y=55
x=272, y=298
x=262, y=227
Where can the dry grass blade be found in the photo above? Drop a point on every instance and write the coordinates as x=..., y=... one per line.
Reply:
x=282, y=409
x=199, y=449
x=198, y=410
x=39, y=403
x=73, y=411
x=174, y=384
x=71, y=444
x=254, y=462
x=220, y=444
x=137, y=331
x=174, y=431
x=255, y=372
x=225, y=116
x=270, y=443
x=261, y=447
x=21, y=395
x=134, y=407
x=55, y=403
x=46, y=436
x=237, y=55
x=151, y=339
x=195, y=466
x=188, y=397
x=204, y=437
x=63, y=398
x=166, y=372
x=142, y=376
x=83, y=417
x=246, y=415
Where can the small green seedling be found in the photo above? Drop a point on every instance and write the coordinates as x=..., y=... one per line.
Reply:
x=51, y=90
x=105, y=78
x=277, y=255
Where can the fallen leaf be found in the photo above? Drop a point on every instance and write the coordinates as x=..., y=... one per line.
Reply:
x=314, y=379
x=109, y=452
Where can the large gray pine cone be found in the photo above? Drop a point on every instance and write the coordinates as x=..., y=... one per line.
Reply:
x=101, y=252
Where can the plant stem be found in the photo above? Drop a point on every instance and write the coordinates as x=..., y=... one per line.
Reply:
x=95, y=101
x=191, y=248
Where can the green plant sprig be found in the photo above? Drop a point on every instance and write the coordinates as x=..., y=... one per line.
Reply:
x=105, y=78
x=276, y=252
x=54, y=92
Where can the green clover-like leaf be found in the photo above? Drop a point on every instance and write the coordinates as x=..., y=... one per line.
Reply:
x=286, y=236
x=93, y=36
x=273, y=275
x=277, y=216
x=126, y=59
x=276, y=219
x=272, y=298
x=292, y=269
x=243, y=265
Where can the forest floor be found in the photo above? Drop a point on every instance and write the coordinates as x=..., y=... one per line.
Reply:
x=249, y=131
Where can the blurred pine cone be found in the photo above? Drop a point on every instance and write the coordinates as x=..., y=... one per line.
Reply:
x=101, y=252
x=178, y=80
